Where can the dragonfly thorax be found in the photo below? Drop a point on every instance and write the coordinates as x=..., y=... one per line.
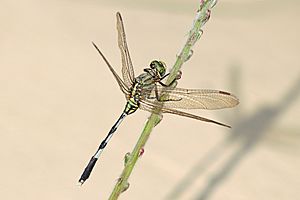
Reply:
x=141, y=87
x=147, y=80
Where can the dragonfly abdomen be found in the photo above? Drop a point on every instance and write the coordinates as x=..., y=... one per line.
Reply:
x=131, y=106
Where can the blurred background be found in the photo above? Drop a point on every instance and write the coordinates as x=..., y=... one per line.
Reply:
x=58, y=100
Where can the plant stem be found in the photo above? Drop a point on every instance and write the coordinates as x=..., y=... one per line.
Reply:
x=203, y=14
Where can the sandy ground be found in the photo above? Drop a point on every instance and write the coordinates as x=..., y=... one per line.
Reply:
x=58, y=100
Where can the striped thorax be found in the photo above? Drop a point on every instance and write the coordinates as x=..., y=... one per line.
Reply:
x=144, y=81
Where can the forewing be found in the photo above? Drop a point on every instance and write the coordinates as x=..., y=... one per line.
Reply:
x=127, y=68
x=179, y=98
x=122, y=85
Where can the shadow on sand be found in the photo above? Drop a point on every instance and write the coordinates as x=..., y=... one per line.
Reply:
x=247, y=131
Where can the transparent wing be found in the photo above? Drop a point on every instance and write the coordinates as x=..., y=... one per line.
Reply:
x=122, y=85
x=180, y=98
x=127, y=68
x=158, y=108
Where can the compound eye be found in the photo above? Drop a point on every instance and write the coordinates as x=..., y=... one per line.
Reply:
x=162, y=64
x=152, y=65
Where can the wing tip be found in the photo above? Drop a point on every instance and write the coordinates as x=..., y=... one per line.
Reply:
x=118, y=15
x=237, y=101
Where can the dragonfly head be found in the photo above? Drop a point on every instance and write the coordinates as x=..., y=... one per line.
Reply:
x=159, y=66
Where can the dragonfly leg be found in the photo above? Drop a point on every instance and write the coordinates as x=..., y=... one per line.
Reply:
x=165, y=76
x=178, y=76
x=158, y=97
x=165, y=100
x=168, y=84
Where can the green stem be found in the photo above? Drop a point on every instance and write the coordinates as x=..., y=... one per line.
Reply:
x=195, y=33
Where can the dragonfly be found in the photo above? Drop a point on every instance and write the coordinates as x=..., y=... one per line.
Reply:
x=145, y=91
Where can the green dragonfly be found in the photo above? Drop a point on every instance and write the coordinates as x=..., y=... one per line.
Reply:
x=145, y=91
